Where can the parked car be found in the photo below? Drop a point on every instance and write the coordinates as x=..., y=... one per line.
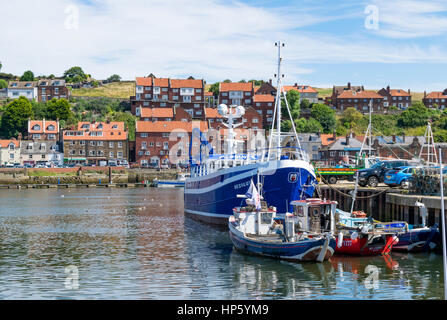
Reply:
x=376, y=173
x=399, y=176
x=164, y=166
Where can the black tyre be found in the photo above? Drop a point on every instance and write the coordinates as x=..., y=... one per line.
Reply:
x=373, y=181
x=362, y=184
x=332, y=180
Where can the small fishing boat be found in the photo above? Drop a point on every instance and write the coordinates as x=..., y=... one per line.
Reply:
x=359, y=235
x=177, y=183
x=305, y=235
x=418, y=238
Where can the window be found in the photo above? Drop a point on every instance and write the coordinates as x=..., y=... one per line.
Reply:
x=72, y=152
x=186, y=98
x=143, y=135
x=143, y=145
x=11, y=156
x=92, y=143
x=255, y=120
x=120, y=144
x=81, y=152
x=92, y=152
x=100, y=153
x=111, y=144
x=151, y=144
x=120, y=154
x=51, y=136
x=111, y=154
x=82, y=143
x=140, y=153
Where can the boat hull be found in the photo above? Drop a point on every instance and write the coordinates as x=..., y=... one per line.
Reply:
x=359, y=247
x=211, y=198
x=306, y=250
x=418, y=240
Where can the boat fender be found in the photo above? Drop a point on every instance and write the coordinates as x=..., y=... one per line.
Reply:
x=232, y=219
x=340, y=240
x=354, y=235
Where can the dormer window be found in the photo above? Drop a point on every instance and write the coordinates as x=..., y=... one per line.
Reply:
x=36, y=127
x=11, y=146
x=50, y=127
x=99, y=126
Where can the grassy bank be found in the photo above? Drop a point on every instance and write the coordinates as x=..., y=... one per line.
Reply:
x=123, y=89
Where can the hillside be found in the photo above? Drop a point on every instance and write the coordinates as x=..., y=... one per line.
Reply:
x=123, y=89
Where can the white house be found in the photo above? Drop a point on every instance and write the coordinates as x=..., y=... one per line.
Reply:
x=9, y=152
x=27, y=89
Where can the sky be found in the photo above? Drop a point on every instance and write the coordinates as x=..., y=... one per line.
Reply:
x=375, y=43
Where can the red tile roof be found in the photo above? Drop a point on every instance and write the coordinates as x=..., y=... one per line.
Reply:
x=236, y=86
x=109, y=131
x=327, y=139
x=143, y=81
x=6, y=143
x=32, y=123
x=169, y=126
x=186, y=83
x=157, y=113
x=263, y=98
x=399, y=93
x=436, y=95
x=368, y=94
x=212, y=113
x=300, y=88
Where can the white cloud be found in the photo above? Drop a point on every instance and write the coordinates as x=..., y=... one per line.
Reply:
x=207, y=39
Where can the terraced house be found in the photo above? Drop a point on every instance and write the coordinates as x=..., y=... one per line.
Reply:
x=436, y=99
x=395, y=97
x=27, y=89
x=48, y=89
x=153, y=143
x=151, y=92
x=359, y=100
x=43, y=130
x=236, y=93
x=96, y=143
x=9, y=152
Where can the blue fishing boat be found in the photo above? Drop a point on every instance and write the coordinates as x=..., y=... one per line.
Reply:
x=305, y=235
x=216, y=179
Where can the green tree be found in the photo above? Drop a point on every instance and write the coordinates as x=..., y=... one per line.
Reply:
x=325, y=115
x=15, y=118
x=39, y=109
x=114, y=78
x=27, y=76
x=308, y=126
x=59, y=109
x=75, y=74
x=305, y=104
x=214, y=88
x=417, y=115
x=351, y=117
x=3, y=84
x=293, y=99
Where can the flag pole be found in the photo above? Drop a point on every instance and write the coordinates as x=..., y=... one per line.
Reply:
x=443, y=225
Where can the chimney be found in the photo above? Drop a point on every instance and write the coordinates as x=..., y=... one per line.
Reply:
x=319, y=133
x=296, y=84
x=394, y=138
x=43, y=125
x=409, y=91
x=334, y=134
x=349, y=85
x=347, y=139
x=403, y=137
x=270, y=81
x=425, y=94
x=388, y=88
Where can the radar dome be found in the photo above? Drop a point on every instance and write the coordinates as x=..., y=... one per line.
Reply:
x=222, y=109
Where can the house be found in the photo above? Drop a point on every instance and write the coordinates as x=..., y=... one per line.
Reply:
x=264, y=104
x=151, y=92
x=359, y=100
x=251, y=119
x=27, y=89
x=401, y=147
x=40, y=152
x=48, y=89
x=41, y=130
x=209, y=100
x=266, y=88
x=340, y=150
x=337, y=90
x=96, y=143
x=395, y=97
x=3, y=93
x=236, y=93
x=306, y=92
x=164, y=142
x=436, y=99
x=9, y=152
x=163, y=114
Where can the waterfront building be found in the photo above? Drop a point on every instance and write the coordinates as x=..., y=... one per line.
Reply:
x=267, y=88
x=236, y=93
x=395, y=97
x=340, y=149
x=27, y=89
x=41, y=130
x=435, y=99
x=152, y=92
x=401, y=147
x=153, y=143
x=48, y=89
x=40, y=152
x=9, y=152
x=96, y=143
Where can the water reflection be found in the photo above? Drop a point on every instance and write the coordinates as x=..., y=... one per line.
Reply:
x=137, y=244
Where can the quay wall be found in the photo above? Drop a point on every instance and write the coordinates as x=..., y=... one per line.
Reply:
x=82, y=175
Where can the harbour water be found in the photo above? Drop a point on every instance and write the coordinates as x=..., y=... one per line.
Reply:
x=136, y=244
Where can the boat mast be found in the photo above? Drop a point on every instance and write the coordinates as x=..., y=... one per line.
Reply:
x=444, y=253
x=278, y=94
